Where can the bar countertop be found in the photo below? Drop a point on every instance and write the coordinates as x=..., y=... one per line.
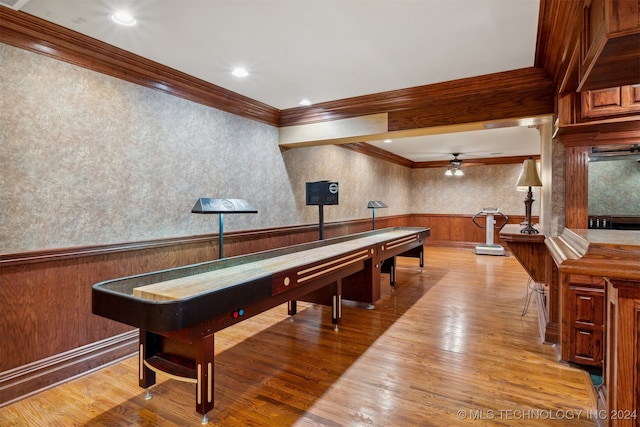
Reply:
x=511, y=233
x=609, y=253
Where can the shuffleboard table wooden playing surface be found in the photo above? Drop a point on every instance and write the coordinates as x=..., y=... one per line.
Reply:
x=179, y=310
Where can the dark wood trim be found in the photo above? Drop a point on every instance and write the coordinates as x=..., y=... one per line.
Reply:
x=527, y=92
x=487, y=161
x=500, y=96
x=511, y=94
x=57, y=254
x=34, y=34
x=558, y=34
x=450, y=244
x=458, y=229
x=78, y=341
x=332, y=229
x=577, y=187
x=622, y=131
x=370, y=150
x=25, y=380
x=532, y=254
x=577, y=165
x=378, y=153
x=231, y=237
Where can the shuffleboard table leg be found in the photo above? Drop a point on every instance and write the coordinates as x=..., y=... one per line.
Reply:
x=336, y=305
x=292, y=307
x=389, y=266
x=392, y=279
x=146, y=377
x=204, y=375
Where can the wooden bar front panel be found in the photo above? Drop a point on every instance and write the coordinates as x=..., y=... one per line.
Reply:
x=622, y=365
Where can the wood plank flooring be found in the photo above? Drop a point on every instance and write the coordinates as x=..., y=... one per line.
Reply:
x=447, y=347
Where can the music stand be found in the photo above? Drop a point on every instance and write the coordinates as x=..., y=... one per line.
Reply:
x=222, y=206
x=373, y=205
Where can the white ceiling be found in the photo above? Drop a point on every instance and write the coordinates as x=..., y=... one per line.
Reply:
x=326, y=50
x=501, y=142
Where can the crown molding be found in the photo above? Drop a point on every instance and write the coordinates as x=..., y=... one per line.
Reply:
x=28, y=32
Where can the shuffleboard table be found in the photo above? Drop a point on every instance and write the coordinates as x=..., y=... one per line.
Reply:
x=179, y=310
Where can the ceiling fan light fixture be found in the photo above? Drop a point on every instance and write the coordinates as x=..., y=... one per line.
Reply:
x=455, y=165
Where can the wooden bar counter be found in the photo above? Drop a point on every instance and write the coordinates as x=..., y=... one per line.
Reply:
x=532, y=254
x=599, y=275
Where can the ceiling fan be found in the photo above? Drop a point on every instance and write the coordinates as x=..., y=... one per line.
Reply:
x=455, y=166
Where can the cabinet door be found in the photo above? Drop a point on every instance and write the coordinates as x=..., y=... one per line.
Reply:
x=587, y=325
x=613, y=101
x=609, y=39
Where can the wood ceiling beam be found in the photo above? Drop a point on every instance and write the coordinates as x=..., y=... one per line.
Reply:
x=510, y=94
x=373, y=151
x=558, y=35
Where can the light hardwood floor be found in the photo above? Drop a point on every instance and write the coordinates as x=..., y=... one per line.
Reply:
x=448, y=347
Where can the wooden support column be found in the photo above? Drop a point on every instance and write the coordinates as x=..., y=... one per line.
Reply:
x=577, y=187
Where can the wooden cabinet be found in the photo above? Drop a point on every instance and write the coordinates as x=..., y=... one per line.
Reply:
x=613, y=101
x=602, y=81
x=609, y=40
x=599, y=106
x=583, y=298
x=582, y=259
x=621, y=386
x=599, y=274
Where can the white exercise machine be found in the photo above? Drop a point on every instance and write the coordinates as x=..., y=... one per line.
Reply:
x=489, y=247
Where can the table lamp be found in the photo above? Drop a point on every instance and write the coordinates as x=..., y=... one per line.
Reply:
x=529, y=178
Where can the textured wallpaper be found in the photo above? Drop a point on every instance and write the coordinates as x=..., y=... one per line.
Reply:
x=89, y=159
x=613, y=187
x=480, y=187
x=558, y=193
x=86, y=159
x=360, y=178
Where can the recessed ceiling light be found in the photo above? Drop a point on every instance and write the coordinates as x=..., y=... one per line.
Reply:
x=387, y=141
x=123, y=17
x=305, y=102
x=240, y=72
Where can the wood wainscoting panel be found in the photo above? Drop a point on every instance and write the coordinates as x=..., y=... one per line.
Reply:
x=458, y=230
x=447, y=347
x=39, y=301
x=46, y=295
x=25, y=380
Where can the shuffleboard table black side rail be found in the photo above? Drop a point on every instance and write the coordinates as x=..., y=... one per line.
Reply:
x=114, y=299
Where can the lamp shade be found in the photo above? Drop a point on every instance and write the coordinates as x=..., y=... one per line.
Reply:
x=529, y=175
